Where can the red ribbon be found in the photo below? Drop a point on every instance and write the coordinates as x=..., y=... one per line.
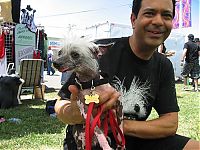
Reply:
x=87, y=127
x=115, y=129
x=90, y=126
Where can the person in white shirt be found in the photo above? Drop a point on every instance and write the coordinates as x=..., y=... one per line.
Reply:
x=49, y=61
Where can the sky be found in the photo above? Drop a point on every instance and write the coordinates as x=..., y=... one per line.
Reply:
x=58, y=16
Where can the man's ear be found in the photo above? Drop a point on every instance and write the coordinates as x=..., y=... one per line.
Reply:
x=133, y=18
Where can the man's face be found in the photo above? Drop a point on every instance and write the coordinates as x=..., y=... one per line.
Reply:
x=154, y=22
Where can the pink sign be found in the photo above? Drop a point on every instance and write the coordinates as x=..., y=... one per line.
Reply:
x=176, y=17
x=186, y=11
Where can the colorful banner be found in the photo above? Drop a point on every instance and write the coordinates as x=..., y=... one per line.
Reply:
x=186, y=13
x=175, y=21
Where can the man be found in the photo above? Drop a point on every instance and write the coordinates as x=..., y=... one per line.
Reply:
x=50, y=61
x=191, y=53
x=135, y=63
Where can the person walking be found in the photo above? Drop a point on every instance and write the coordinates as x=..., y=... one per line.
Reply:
x=49, y=61
x=147, y=80
x=191, y=53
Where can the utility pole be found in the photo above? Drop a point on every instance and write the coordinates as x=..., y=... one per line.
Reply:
x=96, y=26
x=70, y=26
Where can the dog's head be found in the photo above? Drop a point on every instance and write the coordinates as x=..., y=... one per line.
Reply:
x=79, y=56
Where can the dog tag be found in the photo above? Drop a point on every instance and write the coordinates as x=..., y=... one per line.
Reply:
x=92, y=98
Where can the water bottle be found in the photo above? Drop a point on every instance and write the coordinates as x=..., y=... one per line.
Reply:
x=53, y=115
x=15, y=120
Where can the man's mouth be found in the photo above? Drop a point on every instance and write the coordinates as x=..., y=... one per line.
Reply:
x=155, y=34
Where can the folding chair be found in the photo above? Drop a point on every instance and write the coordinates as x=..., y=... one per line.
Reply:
x=31, y=72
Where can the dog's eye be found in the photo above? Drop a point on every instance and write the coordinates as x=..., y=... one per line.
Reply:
x=75, y=55
x=60, y=53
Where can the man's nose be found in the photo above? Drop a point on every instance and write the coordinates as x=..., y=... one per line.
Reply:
x=158, y=20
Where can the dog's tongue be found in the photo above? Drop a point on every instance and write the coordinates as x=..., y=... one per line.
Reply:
x=63, y=69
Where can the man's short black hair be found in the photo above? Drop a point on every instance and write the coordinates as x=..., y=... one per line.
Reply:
x=137, y=5
x=191, y=37
x=196, y=40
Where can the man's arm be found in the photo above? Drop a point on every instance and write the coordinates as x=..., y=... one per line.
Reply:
x=163, y=126
x=184, y=54
x=199, y=53
x=68, y=112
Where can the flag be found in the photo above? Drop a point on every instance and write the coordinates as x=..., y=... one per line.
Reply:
x=186, y=13
x=175, y=21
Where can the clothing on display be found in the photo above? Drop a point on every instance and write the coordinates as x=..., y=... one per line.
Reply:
x=3, y=65
x=2, y=46
x=7, y=53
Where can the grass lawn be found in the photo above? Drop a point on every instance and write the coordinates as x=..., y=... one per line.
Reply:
x=38, y=131
x=189, y=115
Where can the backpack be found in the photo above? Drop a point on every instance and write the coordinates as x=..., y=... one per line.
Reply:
x=50, y=106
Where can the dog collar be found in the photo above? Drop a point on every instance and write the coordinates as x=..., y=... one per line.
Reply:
x=92, y=83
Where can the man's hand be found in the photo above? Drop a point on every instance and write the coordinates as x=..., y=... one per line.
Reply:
x=170, y=53
x=68, y=110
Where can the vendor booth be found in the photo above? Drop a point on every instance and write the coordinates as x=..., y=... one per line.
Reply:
x=19, y=39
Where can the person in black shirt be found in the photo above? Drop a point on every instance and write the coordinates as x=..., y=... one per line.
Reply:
x=191, y=53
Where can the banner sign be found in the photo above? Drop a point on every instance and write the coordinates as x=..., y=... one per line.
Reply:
x=25, y=41
x=186, y=13
x=176, y=17
x=23, y=36
x=55, y=44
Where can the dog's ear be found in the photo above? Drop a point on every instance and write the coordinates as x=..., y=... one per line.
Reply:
x=105, y=47
x=60, y=52
x=95, y=50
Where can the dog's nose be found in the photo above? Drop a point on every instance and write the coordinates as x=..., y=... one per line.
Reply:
x=137, y=108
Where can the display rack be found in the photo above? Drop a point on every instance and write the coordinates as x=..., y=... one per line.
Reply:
x=8, y=30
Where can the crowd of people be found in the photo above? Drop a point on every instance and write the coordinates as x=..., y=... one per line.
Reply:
x=135, y=63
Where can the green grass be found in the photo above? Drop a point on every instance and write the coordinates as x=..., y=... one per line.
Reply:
x=189, y=116
x=36, y=131
x=39, y=131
